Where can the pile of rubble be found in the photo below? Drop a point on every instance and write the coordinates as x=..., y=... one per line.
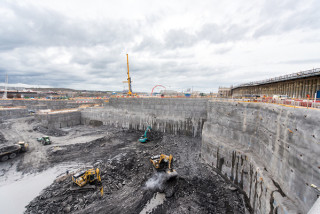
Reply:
x=50, y=132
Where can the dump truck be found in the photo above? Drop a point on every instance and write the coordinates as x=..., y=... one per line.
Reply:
x=11, y=151
x=44, y=140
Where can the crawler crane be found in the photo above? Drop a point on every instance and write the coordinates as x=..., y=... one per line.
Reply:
x=129, y=80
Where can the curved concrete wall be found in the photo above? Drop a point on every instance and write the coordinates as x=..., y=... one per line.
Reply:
x=270, y=151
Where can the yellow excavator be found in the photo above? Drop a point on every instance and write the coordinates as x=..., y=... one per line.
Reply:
x=91, y=176
x=164, y=163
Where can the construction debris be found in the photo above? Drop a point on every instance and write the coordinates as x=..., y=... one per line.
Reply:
x=50, y=132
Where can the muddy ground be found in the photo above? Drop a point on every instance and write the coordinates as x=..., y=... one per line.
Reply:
x=130, y=183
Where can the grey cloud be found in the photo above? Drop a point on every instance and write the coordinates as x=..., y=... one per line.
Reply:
x=221, y=34
x=285, y=16
x=179, y=38
x=148, y=43
x=299, y=61
x=223, y=50
x=43, y=27
x=213, y=33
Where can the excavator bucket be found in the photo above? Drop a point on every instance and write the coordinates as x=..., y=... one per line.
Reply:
x=143, y=139
x=101, y=190
x=171, y=174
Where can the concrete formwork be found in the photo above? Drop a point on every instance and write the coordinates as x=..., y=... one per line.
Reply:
x=271, y=152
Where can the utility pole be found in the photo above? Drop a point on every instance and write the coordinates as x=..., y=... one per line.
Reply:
x=5, y=88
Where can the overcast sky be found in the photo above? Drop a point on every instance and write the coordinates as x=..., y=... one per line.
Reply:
x=179, y=44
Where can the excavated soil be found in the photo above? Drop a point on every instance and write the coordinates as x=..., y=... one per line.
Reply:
x=131, y=185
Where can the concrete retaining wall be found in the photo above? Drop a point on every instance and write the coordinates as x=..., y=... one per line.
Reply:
x=176, y=116
x=13, y=113
x=41, y=104
x=60, y=120
x=270, y=151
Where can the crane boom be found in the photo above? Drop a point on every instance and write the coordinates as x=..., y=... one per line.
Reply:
x=129, y=79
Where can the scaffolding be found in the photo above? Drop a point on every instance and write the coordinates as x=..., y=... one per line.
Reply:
x=298, y=75
x=304, y=84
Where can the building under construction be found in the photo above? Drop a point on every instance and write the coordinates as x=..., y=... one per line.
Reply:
x=304, y=84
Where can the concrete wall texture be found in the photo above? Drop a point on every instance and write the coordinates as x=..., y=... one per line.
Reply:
x=13, y=113
x=270, y=151
x=41, y=104
x=176, y=116
x=60, y=120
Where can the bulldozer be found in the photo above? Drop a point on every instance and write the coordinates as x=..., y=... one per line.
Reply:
x=164, y=162
x=44, y=140
x=91, y=176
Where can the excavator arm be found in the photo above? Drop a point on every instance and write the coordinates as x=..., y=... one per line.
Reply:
x=170, y=163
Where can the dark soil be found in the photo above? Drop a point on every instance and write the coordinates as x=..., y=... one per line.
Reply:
x=2, y=139
x=125, y=168
x=50, y=132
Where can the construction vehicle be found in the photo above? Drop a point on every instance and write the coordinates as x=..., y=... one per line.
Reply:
x=12, y=151
x=91, y=176
x=44, y=140
x=164, y=163
x=129, y=80
x=144, y=137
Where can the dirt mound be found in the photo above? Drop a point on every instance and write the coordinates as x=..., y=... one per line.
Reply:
x=154, y=135
x=95, y=123
x=50, y=132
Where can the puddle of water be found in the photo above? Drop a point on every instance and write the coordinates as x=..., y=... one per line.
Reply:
x=16, y=194
x=156, y=200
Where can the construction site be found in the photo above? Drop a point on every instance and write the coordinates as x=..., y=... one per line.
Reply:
x=158, y=154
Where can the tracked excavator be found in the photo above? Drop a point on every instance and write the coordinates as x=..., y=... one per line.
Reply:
x=144, y=138
x=164, y=163
x=91, y=176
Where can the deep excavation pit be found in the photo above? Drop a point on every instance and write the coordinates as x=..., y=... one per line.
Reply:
x=227, y=154
x=126, y=170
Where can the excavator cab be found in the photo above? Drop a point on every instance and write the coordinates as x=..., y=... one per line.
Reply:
x=90, y=176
